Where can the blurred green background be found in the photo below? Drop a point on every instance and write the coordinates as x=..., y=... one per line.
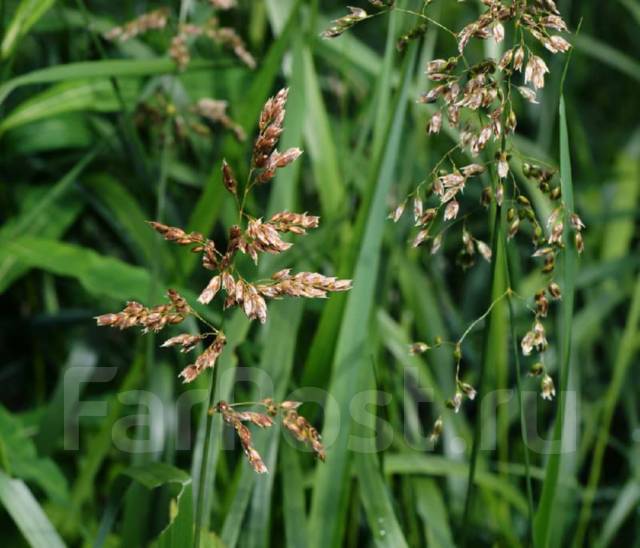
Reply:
x=88, y=153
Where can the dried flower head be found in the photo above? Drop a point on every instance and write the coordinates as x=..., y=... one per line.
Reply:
x=153, y=20
x=343, y=24
x=251, y=236
x=547, y=388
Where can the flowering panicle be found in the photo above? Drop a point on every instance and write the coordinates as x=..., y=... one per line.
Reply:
x=206, y=360
x=301, y=429
x=215, y=111
x=343, y=24
x=153, y=20
x=236, y=419
x=479, y=100
x=149, y=319
x=179, y=47
x=251, y=236
x=199, y=118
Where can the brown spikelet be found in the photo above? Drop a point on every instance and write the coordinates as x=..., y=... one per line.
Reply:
x=229, y=38
x=303, y=431
x=150, y=319
x=215, y=111
x=153, y=20
x=177, y=235
x=206, y=360
x=270, y=126
x=186, y=341
x=303, y=284
x=234, y=419
x=229, y=179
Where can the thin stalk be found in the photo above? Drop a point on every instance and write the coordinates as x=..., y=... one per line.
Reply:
x=495, y=244
x=523, y=424
x=202, y=480
x=544, y=515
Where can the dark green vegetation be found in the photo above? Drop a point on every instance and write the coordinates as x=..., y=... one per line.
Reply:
x=82, y=168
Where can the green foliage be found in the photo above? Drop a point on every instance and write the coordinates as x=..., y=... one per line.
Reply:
x=96, y=138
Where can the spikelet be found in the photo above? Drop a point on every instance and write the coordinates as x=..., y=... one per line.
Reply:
x=149, y=319
x=153, y=20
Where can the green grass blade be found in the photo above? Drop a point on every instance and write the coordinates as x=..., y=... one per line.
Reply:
x=321, y=146
x=293, y=503
x=33, y=216
x=544, y=514
x=377, y=504
x=493, y=348
x=86, y=95
x=21, y=460
x=27, y=514
x=626, y=351
x=99, y=69
x=83, y=360
x=414, y=464
x=27, y=14
x=121, y=209
x=431, y=508
x=608, y=55
x=627, y=501
x=329, y=494
x=50, y=224
x=102, y=276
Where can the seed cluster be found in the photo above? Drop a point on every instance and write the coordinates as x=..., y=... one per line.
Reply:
x=296, y=424
x=251, y=236
x=199, y=118
x=149, y=319
x=179, y=47
x=478, y=100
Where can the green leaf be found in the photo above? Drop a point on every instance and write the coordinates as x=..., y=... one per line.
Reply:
x=627, y=501
x=83, y=95
x=433, y=512
x=608, y=55
x=22, y=461
x=544, y=514
x=99, y=69
x=321, y=146
x=27, y=514
x=329, y=493
x=101, y=276
x=27, y=14
x=122, y=210
x=51, y=224
x=154, y=474
x=294, y=508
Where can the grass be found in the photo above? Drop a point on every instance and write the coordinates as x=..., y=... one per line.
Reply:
x=81, y=174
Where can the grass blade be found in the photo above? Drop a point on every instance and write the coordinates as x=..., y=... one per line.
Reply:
x=544, y=514
x=329, y=494
x=99, y=69
x=626, y=351
x=87, y=95
x=27, y=14
x=27, y=514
